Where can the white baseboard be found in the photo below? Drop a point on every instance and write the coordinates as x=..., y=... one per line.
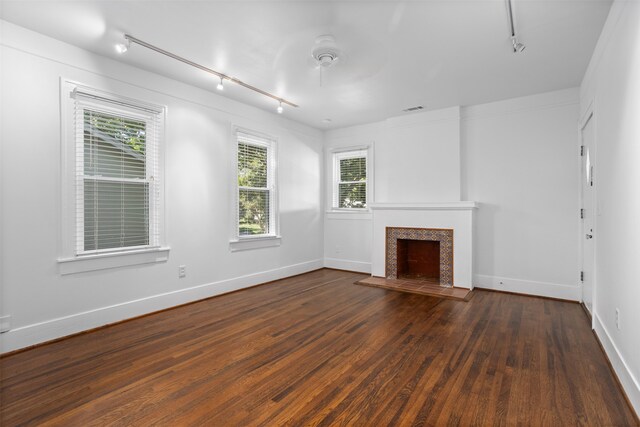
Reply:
x=529, y=287
x=29, y=335
x=629, y=383
x=345, y=264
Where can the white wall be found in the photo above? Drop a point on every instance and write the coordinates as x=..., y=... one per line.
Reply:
x=517, y=158
x=520, y=161
x=2, y=186
x=416, y=158
x=348, y=238
x=612, y=87
x=199, y=182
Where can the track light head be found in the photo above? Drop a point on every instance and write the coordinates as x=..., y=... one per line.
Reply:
x=280, y=109
x=220, y=85
x=123, y=47
x=517, y=46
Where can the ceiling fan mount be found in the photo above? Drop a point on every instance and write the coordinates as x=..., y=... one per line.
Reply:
x=326, y=53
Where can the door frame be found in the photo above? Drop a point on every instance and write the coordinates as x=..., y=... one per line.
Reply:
x=589, y=115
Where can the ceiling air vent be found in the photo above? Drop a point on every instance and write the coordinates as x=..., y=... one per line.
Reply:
x=408, y=110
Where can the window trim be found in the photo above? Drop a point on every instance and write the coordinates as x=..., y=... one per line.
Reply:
x=107, y=260
x=110, y=107
x=334, y=155
x=239, y=242
x=70, y=260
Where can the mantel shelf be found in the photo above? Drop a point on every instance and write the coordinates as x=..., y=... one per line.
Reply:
x=465, y=205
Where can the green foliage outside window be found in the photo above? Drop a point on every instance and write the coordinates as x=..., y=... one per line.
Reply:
x=128, y=131
x=352, y=188
x=253, y=193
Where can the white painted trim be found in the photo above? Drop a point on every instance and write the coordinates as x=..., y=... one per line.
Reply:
x=56, y=328
x=589, y=116
x=359, y=214
x=345, y=264
x=72, y=225
x=244, y=244
x=347, y=149
x=424, y=206
x=630, y=384
x=423, y=117
x=105, y=261
x=330, y=158
x=270, y=142
x=528, y=287
x=525, y=104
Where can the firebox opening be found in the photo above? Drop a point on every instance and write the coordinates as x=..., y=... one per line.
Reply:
x=419, y=259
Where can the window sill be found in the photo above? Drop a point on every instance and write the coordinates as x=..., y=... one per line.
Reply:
x=359, y=214
x=83, y=263
x=248, y=243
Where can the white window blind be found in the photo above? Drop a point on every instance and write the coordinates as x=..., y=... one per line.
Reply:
x=117, y=175
x=350, y=180
x=256, y=185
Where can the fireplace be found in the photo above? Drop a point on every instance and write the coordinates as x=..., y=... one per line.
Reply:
x=418, y=259
x=424, y=254
x=449, y=223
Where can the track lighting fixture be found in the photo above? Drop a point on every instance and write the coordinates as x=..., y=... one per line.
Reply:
x=517, y=46
x=123, y=47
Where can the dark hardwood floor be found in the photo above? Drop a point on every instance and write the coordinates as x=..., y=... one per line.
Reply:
x=317, y=350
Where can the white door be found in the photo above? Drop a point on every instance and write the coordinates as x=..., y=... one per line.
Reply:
x=588, y=214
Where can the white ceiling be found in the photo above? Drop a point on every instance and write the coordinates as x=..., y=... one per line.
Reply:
x=437, y=53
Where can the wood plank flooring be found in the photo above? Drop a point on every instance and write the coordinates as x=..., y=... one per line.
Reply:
x=421, y=287
x=317, y=350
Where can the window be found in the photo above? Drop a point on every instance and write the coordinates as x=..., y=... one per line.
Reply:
x=256, y=186
x=350, y=179
x=117, y=177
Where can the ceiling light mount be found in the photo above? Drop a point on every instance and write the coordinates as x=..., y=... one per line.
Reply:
x=325, y=59
x=326, y=53
x=130, y=39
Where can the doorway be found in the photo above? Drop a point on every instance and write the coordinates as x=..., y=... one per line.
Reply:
x=588, y=213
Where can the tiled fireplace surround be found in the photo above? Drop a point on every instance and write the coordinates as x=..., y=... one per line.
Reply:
x=443, y=236
x=449, y=223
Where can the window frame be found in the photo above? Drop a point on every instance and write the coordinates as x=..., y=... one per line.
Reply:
x=240, y=242
x=74, y=259
x=338, y=154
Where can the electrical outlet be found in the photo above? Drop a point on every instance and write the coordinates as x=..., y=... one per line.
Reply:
x=182, y=271
x=5, y=323
x=618, y=318
x=338, y=249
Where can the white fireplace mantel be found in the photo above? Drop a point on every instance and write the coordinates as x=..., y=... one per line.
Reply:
x=457, y=216
x=424, y=206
